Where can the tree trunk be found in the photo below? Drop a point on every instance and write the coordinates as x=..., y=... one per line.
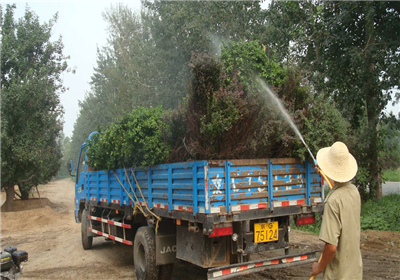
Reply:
x=373, y=106
x=24, y=193
x=9, y=197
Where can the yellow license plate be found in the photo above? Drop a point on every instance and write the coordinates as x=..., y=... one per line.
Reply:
x=265, y=232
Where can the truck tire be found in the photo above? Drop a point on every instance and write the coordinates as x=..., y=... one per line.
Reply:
x=87, y=240
x=144, y=254
x=166, y=271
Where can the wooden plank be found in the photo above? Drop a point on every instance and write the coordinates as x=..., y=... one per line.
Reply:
x=286, y=161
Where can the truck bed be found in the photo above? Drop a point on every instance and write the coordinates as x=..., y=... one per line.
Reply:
x=211, y=187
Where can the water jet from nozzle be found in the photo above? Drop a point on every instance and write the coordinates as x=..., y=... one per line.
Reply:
x=284, y=113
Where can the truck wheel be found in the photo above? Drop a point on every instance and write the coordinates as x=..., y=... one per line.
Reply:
x=166, y=271
x=87, y=240
x=144, y=254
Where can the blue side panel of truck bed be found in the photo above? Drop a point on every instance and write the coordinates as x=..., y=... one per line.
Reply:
x=209, y=186
x=294, y=180
x=254, y=184
x=169, y=185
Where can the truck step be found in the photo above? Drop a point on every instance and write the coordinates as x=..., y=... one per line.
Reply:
x=226, y=272
x=109, y=236
x=109, y=222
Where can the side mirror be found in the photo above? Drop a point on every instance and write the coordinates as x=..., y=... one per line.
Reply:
x=70, y=167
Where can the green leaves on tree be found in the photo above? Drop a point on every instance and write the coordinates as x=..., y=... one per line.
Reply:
x=31, y=83
x=349, y=51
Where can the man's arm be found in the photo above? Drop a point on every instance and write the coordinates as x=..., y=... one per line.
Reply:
x=327, y=256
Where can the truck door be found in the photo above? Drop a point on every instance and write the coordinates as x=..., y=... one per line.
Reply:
x=80, y=180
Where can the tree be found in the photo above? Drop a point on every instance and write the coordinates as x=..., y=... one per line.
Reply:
x=123, y=78
x=125, y=73
x=351, y=51
x=31, y=114
x=93, y=113
x=146, y=59
x=178, y=29
x=372, y=42
x=65, y=145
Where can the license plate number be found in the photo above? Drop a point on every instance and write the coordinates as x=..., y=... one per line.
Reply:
x=266, y=232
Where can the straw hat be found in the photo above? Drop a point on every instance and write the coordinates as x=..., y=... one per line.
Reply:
x=337, y=163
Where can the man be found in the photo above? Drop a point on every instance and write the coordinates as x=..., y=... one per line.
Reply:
x=340, y=229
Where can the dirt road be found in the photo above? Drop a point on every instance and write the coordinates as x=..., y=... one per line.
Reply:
x=52, y=239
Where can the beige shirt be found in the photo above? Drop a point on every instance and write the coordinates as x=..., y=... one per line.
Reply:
x=341, y=227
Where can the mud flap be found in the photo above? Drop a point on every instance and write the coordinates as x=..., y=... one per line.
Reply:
x=165, y=248
x=226, y=272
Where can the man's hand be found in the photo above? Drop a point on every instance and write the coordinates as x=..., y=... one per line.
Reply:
x=327, y=256
x=316, y=269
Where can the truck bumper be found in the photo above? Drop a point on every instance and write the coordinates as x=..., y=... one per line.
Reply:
x=230, y=271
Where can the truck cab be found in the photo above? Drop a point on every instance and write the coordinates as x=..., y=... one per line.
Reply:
x=80, y=177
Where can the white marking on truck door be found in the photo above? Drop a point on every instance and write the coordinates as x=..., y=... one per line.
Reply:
x=218, y=184
x=234, y=185
x=261, y=181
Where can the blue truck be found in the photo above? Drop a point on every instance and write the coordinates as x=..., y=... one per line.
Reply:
x=213, y=213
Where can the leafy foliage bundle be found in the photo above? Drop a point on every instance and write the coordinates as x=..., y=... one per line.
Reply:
x=138, y=139
x=218, y=114
x=225, y=119
x=249, y=60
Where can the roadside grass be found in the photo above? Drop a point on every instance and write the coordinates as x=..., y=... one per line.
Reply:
x=375, y=214
x=391, y=175
x=381, y=214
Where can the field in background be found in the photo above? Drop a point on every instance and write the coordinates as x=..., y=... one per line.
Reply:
x=391, y=175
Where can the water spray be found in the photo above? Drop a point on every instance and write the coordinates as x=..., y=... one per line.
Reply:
x=287, y=117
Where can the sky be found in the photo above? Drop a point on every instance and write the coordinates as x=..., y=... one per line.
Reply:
x=83, y=30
